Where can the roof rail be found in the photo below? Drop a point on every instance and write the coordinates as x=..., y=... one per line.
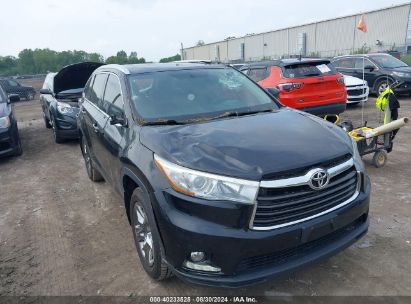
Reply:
x=120, y=67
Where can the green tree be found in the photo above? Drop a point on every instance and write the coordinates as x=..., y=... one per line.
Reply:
x=171, y=58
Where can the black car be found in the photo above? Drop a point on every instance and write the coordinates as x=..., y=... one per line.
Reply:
x=380, y=70
x=9, y=134
x=11, y=86
x=59, y=99
x=222, y=186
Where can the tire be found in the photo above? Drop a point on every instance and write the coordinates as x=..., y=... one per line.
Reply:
x=57, y=137
x=19, y=150
x=29, y=96
x=46, y=121
x=381, y=86
x=146, y=237
x=380, y=158
x=92, y=172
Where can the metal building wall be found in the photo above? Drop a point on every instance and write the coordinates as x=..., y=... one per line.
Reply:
x=276, y=44
x=326, y=38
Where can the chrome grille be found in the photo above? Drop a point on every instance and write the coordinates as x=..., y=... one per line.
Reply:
x=289, y=201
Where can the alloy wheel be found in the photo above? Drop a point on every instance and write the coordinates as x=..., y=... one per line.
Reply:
x=144, y=237
x=383, y=86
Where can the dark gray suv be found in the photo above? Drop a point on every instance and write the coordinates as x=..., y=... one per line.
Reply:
x=221, y=184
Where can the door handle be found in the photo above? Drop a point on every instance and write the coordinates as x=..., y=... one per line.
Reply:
x=96, y=128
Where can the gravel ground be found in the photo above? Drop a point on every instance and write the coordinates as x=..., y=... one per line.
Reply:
x=61, y=234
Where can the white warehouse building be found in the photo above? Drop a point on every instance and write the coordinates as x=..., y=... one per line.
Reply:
x=389, y=29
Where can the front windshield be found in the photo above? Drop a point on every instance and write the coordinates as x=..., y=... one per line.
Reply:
x=387, y=61
x=195, y=94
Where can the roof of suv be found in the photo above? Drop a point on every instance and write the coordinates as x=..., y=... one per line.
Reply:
x=284, y=62
x=363, y=55
x=158, y=67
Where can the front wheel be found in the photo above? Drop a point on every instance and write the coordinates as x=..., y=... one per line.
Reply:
x=46, y=121
x=19, y=149
x=382, y=85
x=56, y=134
x=29, y=96
x=146, y=238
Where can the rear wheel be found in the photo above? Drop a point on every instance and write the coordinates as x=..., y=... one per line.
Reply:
x=92, y=172
x=146, y=238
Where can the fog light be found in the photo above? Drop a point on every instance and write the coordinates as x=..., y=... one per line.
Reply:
x=204, y=266
x=197, y=256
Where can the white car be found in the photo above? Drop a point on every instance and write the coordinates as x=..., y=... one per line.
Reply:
x=357, y=89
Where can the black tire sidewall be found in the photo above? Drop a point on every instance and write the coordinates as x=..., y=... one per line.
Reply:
x=140, y=196
x=377, y=88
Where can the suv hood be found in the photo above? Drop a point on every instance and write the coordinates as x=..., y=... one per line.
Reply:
x=74, y=76
x=353, y=81
x=251, y=147
x=401, y=69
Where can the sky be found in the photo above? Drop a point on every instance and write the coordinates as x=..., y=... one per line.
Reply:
x=155, y=28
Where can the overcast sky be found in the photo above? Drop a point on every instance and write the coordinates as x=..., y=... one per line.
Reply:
x=154, y=28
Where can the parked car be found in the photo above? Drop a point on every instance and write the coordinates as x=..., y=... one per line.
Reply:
x=357, y=89
x=9, y=134
x=221, y=184
x=11, y=86
x=59, y=99
x=379, y=71
x=311, y=85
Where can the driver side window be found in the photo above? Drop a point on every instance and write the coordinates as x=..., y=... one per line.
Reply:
x=113, y=103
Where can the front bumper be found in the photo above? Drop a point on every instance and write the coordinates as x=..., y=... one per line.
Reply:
x=67, y=125
x=357, y=94
x=248, y=256
x=9, y=140
x=403, y=87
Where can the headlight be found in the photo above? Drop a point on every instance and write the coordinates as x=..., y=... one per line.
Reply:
x=64, y=108
x=359, y=165
x=402, y=74
x=206, y=185
x=4, y=122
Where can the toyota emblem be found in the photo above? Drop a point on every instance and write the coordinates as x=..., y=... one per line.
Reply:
x=319, y=179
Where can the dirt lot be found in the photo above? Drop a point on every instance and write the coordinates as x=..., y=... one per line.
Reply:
x=61, y=234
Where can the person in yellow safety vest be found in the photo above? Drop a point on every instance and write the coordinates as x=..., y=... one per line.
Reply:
x=388, y=103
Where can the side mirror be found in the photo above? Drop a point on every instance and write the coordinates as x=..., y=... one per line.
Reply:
x=118, y=119
x=274, y=92
x=45, y=92
x=369, y=68
x=14, y=98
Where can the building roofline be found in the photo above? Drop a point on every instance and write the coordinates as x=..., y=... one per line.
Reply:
x=301, y=25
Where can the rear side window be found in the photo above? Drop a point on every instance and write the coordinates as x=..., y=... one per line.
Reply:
x=97, y=90
x=308, y=69
x=113, y=99
x=257, y=74
x=345, y=63
x=359, y=62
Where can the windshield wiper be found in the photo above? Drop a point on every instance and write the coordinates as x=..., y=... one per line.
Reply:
x=163, y=122
x=231, y=114
x=254, y=112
